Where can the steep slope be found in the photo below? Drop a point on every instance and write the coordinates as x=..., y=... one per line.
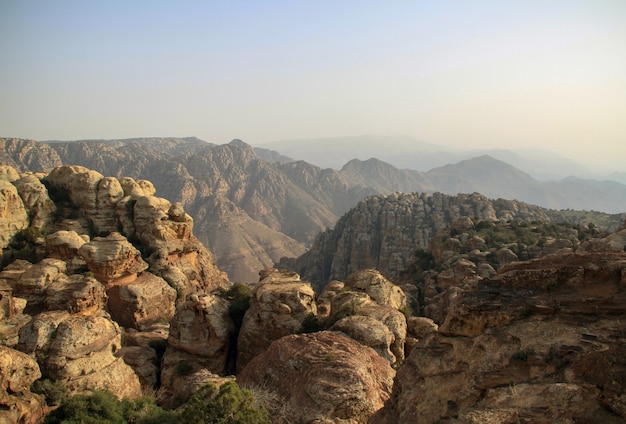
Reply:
x=383, y=232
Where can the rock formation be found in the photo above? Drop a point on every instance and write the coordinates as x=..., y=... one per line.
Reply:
x=17, y=404
x=198, y=344
x=540, y=343
x=56, y=309
x=279, y=305
x=320, y=377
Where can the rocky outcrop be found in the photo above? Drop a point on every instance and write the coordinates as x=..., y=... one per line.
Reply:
x=279, y=305
x=320, y=377
x=34, y=195
x=13, y=214
x=146, y=300
x=383, y=232
x=198, y=347
x=17, y=404
x=540, y=343
x=112, y=258
x=79, y=351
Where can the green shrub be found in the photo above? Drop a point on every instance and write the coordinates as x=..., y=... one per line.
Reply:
x=228, y=405
x=101, y=407
x=311, y=324
x=54, y=391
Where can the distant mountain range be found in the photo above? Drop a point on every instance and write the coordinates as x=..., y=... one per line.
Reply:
x=406, y=152
x=253, y=206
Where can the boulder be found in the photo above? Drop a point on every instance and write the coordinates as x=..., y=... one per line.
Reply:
x=76, y=294
x=320, y=377
x=381, y=290
x=17, y=404
x=112, y=258
x=35, y=280
x=34, y=195
x=13, y=213
x=142, y=302
x=279, y=305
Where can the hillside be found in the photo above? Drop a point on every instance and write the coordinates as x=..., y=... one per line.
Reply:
x=383, y=232
x=251, y=211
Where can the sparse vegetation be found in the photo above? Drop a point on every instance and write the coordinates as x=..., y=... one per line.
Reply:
x=103, y=407
x=227, y=405
x=311, y=324
x=54, y=391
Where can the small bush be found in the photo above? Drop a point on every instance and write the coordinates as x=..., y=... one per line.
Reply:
x=103, y=407
x=54, y=391
x=311, y=324
x=227, y=405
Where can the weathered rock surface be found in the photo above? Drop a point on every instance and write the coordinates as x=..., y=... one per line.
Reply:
x=34, y=195
x=279, y=305
x=81, y=353
x=383, y=232
x=321, y=377
x=349, y=303
x=541, y=343
x=75, y=294
x=142, y=302
x=13, y=213
x=377, y=287
x=17, y=404
x=112, y=258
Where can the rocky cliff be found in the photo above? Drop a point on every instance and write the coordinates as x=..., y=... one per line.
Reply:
x=383, y=232
x=77, y=248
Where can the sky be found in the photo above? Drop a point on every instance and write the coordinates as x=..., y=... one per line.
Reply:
x=462, y=74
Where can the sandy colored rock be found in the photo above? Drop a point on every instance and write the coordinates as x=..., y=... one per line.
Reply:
x=76, y=294
x=539, y=344
x=8, y=173
x=104, y=217
x=34, y=195
x=369, y=332
x=64, y=244
x=279, y=305
x=13, y=213
x=202, y=327
x=321, y=377
x=381, y=290
x=420, y=327
x=17, y=404
x=112, y=257
x=35, y=280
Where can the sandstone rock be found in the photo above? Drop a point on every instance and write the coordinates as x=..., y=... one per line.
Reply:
x=381, y=290
x=615, y=242
x=142, y=302
x=79, y=350
x=143, y=361
x=136, y=188
x=17, y=404
x=36, y=279
x=76, y=294
x=104, y=217
x=369, y=332
x=280, y=303
x=37, y=202
x=182, y=376
x=420, y=327
x=358, y=303
x=321, y=377
x=64, y=244
x=324, y=300
x=8, y=173
x=539, y=344
x=112, y=258
x=13, y=214
x=202, y=327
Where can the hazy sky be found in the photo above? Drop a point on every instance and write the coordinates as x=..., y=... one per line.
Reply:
x=548, y=74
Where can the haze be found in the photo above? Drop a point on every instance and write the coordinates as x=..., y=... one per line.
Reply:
x=480, y=74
